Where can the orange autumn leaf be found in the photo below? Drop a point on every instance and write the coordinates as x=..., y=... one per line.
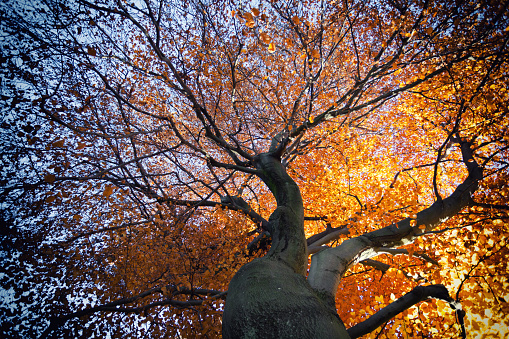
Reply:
x=264, y=37
x=108, y=190
x=249, y=19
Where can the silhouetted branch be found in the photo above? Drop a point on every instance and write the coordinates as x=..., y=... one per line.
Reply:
x=116, y=306
x=418, y=294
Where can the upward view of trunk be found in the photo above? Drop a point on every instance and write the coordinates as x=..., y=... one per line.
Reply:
x=270, y=297
x=254, y=169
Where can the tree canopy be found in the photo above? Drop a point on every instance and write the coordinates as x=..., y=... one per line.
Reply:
x=150, y=149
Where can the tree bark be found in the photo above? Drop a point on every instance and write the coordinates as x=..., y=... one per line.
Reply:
x=270, y=297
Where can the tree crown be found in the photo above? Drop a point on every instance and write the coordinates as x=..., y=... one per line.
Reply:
x=139, y=145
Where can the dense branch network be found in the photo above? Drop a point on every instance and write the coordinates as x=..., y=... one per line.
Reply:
x=174, y=132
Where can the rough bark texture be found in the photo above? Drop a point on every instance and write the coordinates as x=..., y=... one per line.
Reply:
x=266, y=299
x=270, y=297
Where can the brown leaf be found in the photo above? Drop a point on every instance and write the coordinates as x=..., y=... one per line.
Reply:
x=49, y=178
x=108, y=190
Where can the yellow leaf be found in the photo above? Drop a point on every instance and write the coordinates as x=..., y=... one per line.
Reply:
x=271, y=48
x=255, y=11
x=398, y=71
x=315, y=54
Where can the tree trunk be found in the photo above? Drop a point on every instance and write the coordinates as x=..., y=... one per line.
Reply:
x=267, y=299
x=270, y=297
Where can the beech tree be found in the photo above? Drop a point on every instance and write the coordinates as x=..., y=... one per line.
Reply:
x=261, y=169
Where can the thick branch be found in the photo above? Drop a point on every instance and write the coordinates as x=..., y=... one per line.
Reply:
x=330, y=233
x=286, y=224
x=418, y=294
x=327, y=266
